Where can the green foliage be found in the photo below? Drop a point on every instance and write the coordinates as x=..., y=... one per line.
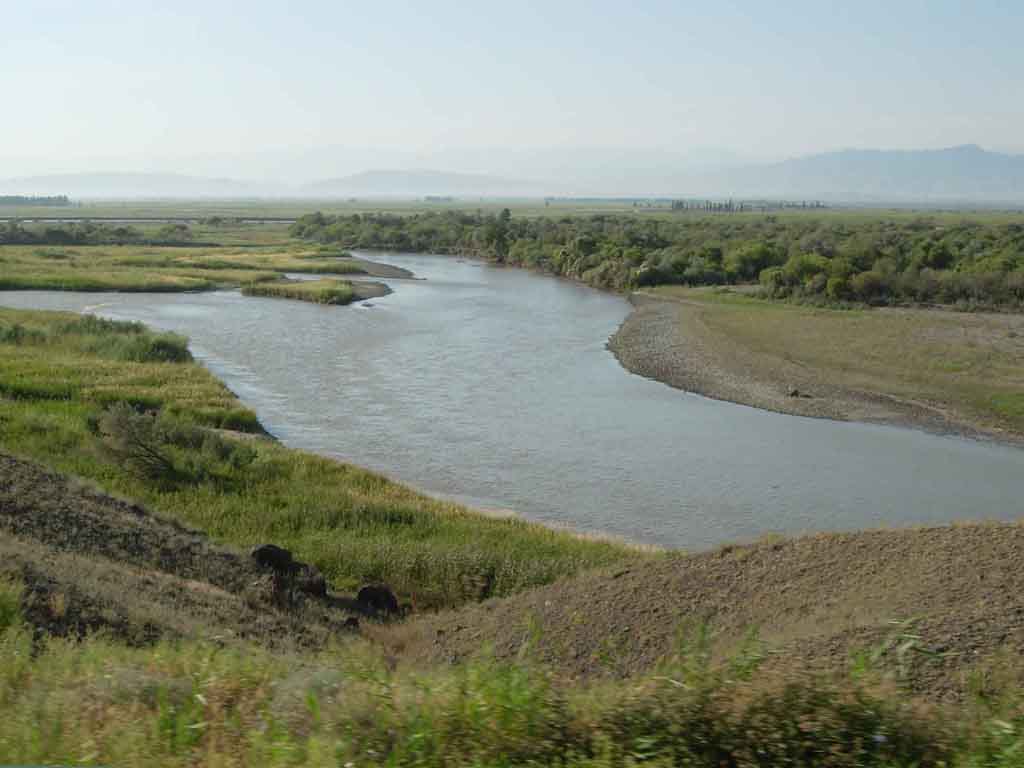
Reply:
x=160, y=449
x=18, y=334
x=10, y=603
x=881, y=259
x=88, y=233
x=315, y=291
x=95, y=702
x=1010, y=405
x=109, y=339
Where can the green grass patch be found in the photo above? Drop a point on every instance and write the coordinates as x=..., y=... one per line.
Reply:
x=316, y=291
x=10, y=604
x=156, y=269
x=1009, y=405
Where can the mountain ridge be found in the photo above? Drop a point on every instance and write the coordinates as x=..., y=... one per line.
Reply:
x=960, y=174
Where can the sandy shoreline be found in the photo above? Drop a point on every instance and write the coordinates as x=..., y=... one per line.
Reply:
x=666, y=340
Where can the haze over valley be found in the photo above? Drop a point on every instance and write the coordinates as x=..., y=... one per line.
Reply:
x=965, y=174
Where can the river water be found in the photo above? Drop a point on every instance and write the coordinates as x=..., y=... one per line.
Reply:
x=493, y=387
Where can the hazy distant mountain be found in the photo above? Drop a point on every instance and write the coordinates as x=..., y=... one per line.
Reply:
x=962, y=174
x=956, y=174
x=129, y=185
x=412, y=183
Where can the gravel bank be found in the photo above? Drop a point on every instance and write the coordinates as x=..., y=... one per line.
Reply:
x=667, y=340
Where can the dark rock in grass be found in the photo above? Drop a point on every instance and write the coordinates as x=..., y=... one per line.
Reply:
x=290, y=576
x=352, y=624
x=377, y=599
x=309, y=580
x=273, y=556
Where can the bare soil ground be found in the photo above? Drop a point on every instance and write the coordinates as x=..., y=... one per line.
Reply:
x=814, y=601
x=944, y=372
x=93, y=562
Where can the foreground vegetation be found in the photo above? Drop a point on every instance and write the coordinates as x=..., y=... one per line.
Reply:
x=824, y=257
x=95, y=702
x=78, y=392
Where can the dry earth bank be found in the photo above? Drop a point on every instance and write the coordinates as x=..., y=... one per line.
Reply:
x=816, y=600
x=93, y=562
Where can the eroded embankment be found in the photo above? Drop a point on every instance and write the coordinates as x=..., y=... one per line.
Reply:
x=668, y=340
x=91, y=562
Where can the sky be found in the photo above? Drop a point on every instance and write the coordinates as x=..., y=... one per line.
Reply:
x=205, y=85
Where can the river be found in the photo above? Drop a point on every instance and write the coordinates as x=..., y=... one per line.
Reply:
x=493, y=387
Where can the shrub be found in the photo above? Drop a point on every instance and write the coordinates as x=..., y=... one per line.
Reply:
x=136, y=443
x=773, y=280
x=817, y=283
x=802, y=266
x=10, y=603
x=18, y=334
x=868, y=286
x=166, y=451
x=837, y=288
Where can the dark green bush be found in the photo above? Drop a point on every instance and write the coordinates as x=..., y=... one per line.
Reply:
x=903, y=260
x=167, y=451
x=18, y=334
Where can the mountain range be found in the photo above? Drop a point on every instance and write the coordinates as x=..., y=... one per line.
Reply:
x=960, y=174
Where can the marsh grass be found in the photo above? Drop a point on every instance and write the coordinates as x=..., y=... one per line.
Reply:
x=65, y=372
x=316, y=291
x=147, y=268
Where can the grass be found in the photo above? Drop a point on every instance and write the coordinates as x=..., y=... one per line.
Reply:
x=167, y=269
x=193, y=703
x=972, y=363
x=60, y=372
x=325, y=291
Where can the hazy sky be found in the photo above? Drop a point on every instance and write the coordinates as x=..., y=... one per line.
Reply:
x=87, y=81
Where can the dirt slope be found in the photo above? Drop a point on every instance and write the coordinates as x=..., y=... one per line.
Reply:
x=817, y=598
x=90, y=561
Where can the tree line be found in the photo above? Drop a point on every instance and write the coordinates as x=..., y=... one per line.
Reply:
x=51, y=201
x=814, y=258
x=92, y=233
